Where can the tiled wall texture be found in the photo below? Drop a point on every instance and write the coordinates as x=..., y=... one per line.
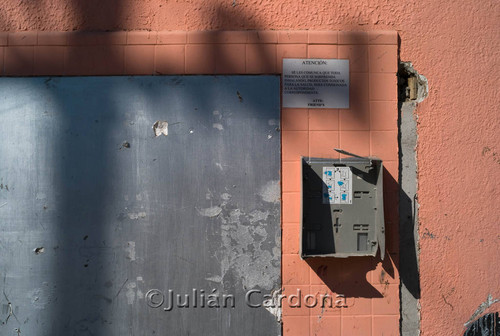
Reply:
x=369, y=127
x=180, y=52
x=365, y=288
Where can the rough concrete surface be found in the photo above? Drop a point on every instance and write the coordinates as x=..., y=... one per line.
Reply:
x=413, y=89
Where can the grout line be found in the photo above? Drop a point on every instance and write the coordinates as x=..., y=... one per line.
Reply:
x=33, y=58
x=185, y=55
x=4, y=51
x=123, y=61
x=155, y=70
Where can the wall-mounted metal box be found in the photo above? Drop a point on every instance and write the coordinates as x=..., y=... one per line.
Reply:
x=342, y=207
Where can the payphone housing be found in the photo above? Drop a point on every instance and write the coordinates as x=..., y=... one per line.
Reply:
x=342, y=207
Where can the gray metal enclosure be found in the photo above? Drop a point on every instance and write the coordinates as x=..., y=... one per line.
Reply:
x=96, y=211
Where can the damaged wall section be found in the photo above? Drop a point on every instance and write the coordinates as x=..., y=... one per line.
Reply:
x=413, y=89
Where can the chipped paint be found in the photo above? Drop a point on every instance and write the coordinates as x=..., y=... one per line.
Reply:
x=245, y=253
x=136, y=215
x=215, y=278
x=258, y=215
x=273, y=305
x=218, y=126
x=130, y=249
x=160, y=127
x=210, y=212
x=131, y=292
x=271, y=192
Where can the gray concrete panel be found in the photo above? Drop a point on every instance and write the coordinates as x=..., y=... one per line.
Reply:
x=96, y=209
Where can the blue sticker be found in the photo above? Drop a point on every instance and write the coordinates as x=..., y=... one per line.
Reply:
x=340, y=183
x=344, y=197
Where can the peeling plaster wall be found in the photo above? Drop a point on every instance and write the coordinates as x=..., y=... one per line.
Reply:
x=453, y=43
x=91, y=227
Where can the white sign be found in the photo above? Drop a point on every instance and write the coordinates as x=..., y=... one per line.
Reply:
x=315, y=83
x=337, y=185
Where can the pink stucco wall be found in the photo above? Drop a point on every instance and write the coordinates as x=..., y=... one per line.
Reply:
x=453, y=43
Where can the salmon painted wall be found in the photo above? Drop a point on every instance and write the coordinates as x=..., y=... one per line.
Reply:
x=453, y=43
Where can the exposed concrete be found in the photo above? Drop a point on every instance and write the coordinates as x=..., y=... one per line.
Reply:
x=412, y=90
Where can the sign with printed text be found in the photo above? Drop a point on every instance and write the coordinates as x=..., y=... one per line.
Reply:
x=315, y=83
